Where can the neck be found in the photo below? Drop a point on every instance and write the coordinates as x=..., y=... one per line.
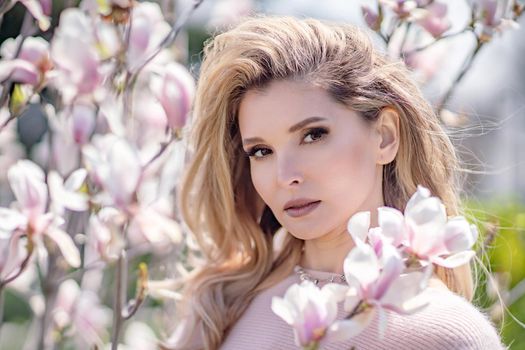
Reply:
x=327, y=253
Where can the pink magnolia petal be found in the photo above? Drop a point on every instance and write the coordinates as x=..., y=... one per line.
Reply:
x=332, y=293
x=63, y=198
x=12, y=254
x=392, y=267
x=435, y=21
x=75, y=180
x=284, y=310
x=27, y=183
x=454, y=260
x=124, y=172
x=458, y=235
x=68, y=293
x=35, y=50
x=155, y=227
x=420, y=194
x=371, y=17
x=66, y=245
x=358, y=226
x=148, y=29
x=83, y=123
x=19, y=71
x=401, y=295
x=362, y=265
x=392, y=223
x=10, y=220
x=427, y=220
x=346, y=329
x=175, y=89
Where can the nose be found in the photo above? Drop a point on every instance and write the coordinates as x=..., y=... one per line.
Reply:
x=288, y=173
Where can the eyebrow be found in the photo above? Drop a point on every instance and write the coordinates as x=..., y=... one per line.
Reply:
x=292, y=129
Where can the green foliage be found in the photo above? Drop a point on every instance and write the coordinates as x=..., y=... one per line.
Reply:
x=503, y=256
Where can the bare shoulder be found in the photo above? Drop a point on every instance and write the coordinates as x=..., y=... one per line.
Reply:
x=449, y=321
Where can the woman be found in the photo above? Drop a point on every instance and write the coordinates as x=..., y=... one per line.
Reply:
x=300, y=124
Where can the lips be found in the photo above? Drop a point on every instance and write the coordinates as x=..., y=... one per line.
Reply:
x=299, y=211
x=299, y=203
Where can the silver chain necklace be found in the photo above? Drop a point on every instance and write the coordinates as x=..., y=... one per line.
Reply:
x=305, y=276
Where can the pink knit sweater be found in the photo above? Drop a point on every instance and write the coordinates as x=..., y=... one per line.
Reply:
x=448, y=322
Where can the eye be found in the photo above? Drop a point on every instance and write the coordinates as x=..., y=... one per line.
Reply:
x=258, y=152
x=314, y=134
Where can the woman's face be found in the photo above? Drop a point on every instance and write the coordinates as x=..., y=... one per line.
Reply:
x=304, y=145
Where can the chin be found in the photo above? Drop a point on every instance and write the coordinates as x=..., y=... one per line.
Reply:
x=305, y=235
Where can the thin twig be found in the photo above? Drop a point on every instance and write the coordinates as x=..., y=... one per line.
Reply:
x=357, y=309
x=426, y=46
x=464, y=70
x=23, y=265
x=170, y=37
x=405, y=37
x=164, y=146
x=140, y=296
x=117, y=306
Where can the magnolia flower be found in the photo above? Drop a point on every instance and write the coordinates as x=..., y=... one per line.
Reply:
x=61, y=150
x=107, y=7
x=423, y=230
x=378, y=284
x=82, y=123
x=148, y=29
x=312, y=313
x=435, y=21
x=115, y=165
x=372, y=18
x=11, y=250
x=402, y=8
x=151, y=226
x=492, y=16
x=78, y=49
x=174, y=88
x=429, y=235
x=32, y=63
x=82, y=313
x=65, y=194
x=28, y=186
x=104, y=236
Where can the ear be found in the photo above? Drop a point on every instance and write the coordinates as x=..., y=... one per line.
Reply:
x=387, y=128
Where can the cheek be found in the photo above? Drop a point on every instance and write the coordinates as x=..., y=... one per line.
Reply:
x=261, y=181
x=350, y=169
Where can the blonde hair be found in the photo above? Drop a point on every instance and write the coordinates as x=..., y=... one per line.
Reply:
x=219, y=204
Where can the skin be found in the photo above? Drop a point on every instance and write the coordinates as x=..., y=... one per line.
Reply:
x=341, y=167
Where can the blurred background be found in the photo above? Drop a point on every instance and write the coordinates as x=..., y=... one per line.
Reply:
x=485, y=117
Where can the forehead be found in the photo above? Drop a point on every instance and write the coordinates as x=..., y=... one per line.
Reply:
x=283, y=103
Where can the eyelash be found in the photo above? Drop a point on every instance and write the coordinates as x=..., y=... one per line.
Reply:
x=322, y=131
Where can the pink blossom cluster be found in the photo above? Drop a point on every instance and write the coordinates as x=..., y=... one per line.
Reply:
x=387, y=271
x=100, y=183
